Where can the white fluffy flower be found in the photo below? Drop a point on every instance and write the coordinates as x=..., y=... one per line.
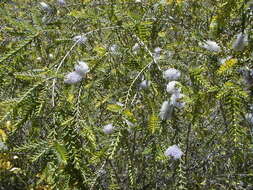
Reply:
x=165, y=111
x=80, y=39
x=144, y=84
x=240, y=42
x=136, y=48
x=113, y=49
x=3, y=146
x=249, y=118
x=44, y=6
x=108, y=129
x=174, y=151
x=61, y=2
x=173, y=87
x=171, y=74
x=157, y=53
x=211, y=46
x=176, y=100
x=158, y=50
x=82, y=68
x=72, y=78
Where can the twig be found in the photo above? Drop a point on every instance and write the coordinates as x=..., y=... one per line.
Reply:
x=67, y=54
x=135, y=79
x=143, y=69
x=57, y=70
x=148, y=51
x=98, y=174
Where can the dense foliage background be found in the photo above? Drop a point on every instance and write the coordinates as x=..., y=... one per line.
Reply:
x=52, y=134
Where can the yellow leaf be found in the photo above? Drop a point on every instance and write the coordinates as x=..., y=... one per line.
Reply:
x=70, y=98
x=3, y=135
x=78, y=14
x=227, y=65
x=114, y=107
x=129, y=115
x=162, y=34
x=100, y=50
x=8, y=125
x=153, y=123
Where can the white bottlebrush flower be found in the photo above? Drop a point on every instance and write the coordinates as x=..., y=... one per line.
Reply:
x=44, y=6
x=211, y=46
x=171, y=74
x=176, y=100
x=173, y=87
x=240, y=42
x=3, y=147
x=158, y=50
x=137, y=1
x=114, y=49
x=80, y=39
x=72, y=78
x=157, y=53
x=165, y=111
x=249, y=118
x=61, y=2
x=108, y=129
x=144, y=84
x=174, y=151
x=135, y=48
x=82, y=68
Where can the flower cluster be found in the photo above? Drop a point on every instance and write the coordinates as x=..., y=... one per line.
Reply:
x=108, y=129
x=240, y=42
x=61, y=2
x=171, y=74
x=3, y=147
x=176, y=100
x=144, y=84
x=157, y=53
x=80, y=39
x=173, y=88
x=114, y=49
x=211, y=46
x=135, y=48
x=44, y=6
x=76, y=76
x=174, y=151
x=249, y=117
x=165, y=111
